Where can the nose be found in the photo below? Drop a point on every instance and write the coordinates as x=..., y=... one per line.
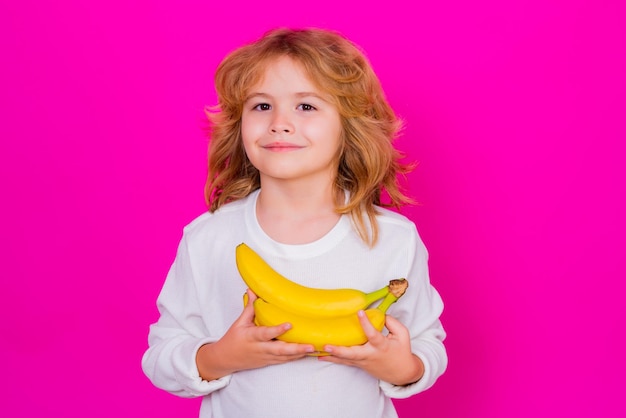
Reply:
x=281, y=123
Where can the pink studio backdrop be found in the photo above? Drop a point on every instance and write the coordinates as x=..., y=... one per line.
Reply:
x=515, y=111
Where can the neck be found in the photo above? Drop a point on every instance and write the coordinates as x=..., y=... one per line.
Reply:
x=296, y=215
x=297, y=201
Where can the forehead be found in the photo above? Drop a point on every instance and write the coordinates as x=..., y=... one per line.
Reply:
x=284, y=71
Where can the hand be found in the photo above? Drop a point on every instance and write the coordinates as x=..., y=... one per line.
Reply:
x=247, y=346
x=388, y=358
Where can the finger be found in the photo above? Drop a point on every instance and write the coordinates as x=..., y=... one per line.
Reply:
x=270, y=333
x=332, y=359
x=349, y=356
x=247, y=315
x=396, y=327
x=290, y=350
x=251, y=295
x=372, y=334
x=336, y=352
x=352, y=353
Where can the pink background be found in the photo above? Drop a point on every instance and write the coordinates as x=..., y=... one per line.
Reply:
x=515, y=111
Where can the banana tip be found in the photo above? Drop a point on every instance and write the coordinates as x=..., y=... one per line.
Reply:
x=397, y=287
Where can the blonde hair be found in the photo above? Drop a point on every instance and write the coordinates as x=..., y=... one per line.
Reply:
x=368, y=164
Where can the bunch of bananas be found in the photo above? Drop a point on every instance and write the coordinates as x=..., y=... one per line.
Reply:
x=317, y=316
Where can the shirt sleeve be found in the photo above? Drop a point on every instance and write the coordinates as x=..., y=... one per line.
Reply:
x=419, y=310
x=174, y=340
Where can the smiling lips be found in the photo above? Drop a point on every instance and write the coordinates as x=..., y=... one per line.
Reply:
x=282, y=147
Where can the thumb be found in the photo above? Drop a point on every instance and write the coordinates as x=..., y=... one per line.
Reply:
x=396, y=327
x=249, y=297
x=247, y=315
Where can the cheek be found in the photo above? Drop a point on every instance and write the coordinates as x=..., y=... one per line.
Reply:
x=249, y=137
x=249, y=130
x=331, y=134
x=322, y=129
x=248, y=148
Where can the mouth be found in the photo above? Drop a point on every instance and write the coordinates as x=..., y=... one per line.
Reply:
x=281, y=147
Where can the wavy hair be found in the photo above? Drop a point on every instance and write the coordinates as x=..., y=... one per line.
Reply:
x=368, y=164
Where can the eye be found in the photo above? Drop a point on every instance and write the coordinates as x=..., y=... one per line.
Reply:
x=262, y=106
x=306, y=107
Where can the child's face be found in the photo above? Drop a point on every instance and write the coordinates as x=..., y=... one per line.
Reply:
x=290, y=131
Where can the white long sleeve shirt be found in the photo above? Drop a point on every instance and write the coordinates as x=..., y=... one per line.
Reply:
x=202, y=297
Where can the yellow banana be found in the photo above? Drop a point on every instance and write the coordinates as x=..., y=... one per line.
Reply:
x=285, y=294
x=345, y=330
x=342, y=330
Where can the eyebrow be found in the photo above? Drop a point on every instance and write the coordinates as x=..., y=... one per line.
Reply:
x=298, y=95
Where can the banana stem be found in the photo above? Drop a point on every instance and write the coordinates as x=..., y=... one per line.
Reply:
x=377, y=294
x=396, y=290
x=387, y=302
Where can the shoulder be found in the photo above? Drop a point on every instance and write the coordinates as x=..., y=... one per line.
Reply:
x=217, y=222
x=395, y=228
x=393, y=219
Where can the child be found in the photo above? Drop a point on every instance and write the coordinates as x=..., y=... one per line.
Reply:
x=300, y=155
